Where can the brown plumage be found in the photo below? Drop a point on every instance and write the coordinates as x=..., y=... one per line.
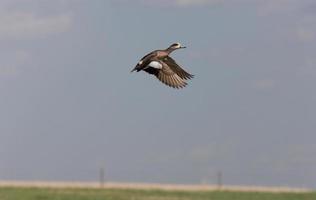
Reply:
x=161, y=65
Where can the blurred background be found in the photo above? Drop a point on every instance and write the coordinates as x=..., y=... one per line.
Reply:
x=69, y=105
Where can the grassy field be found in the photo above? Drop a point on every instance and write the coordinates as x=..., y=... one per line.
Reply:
x=15, y=193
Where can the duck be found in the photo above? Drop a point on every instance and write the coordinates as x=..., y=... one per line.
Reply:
x=164, y=68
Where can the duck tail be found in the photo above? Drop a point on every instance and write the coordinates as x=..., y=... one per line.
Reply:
x=136, y=68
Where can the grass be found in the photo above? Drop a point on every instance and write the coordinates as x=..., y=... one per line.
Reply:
x=14, y=193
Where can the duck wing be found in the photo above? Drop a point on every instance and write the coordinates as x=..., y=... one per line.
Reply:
x=169, y=77
x=176, y=68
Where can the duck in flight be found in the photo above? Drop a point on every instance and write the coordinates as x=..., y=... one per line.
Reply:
x=161, y=65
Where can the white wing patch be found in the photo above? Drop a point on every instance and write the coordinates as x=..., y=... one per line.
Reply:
x=155, y=64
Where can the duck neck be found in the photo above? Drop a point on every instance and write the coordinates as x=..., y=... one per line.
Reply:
x=169, y=50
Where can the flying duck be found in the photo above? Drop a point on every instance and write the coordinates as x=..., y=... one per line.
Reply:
x=161, y=65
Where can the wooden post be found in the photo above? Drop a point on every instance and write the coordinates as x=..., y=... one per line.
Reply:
x=219, y=180
x=101, y=176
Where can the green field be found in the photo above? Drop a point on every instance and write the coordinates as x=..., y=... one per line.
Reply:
x=13, y=193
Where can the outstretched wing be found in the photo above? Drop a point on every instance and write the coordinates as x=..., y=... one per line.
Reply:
x=169, y=77
x=176, y=68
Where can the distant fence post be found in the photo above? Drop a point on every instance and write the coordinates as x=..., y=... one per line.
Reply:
x=101, y=176
x=219, y=180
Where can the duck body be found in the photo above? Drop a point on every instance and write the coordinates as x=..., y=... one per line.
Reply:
x=161, y=65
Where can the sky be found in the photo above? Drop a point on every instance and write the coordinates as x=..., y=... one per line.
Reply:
x=69, y=104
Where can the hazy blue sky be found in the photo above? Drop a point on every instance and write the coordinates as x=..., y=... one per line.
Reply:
x=69, y=103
